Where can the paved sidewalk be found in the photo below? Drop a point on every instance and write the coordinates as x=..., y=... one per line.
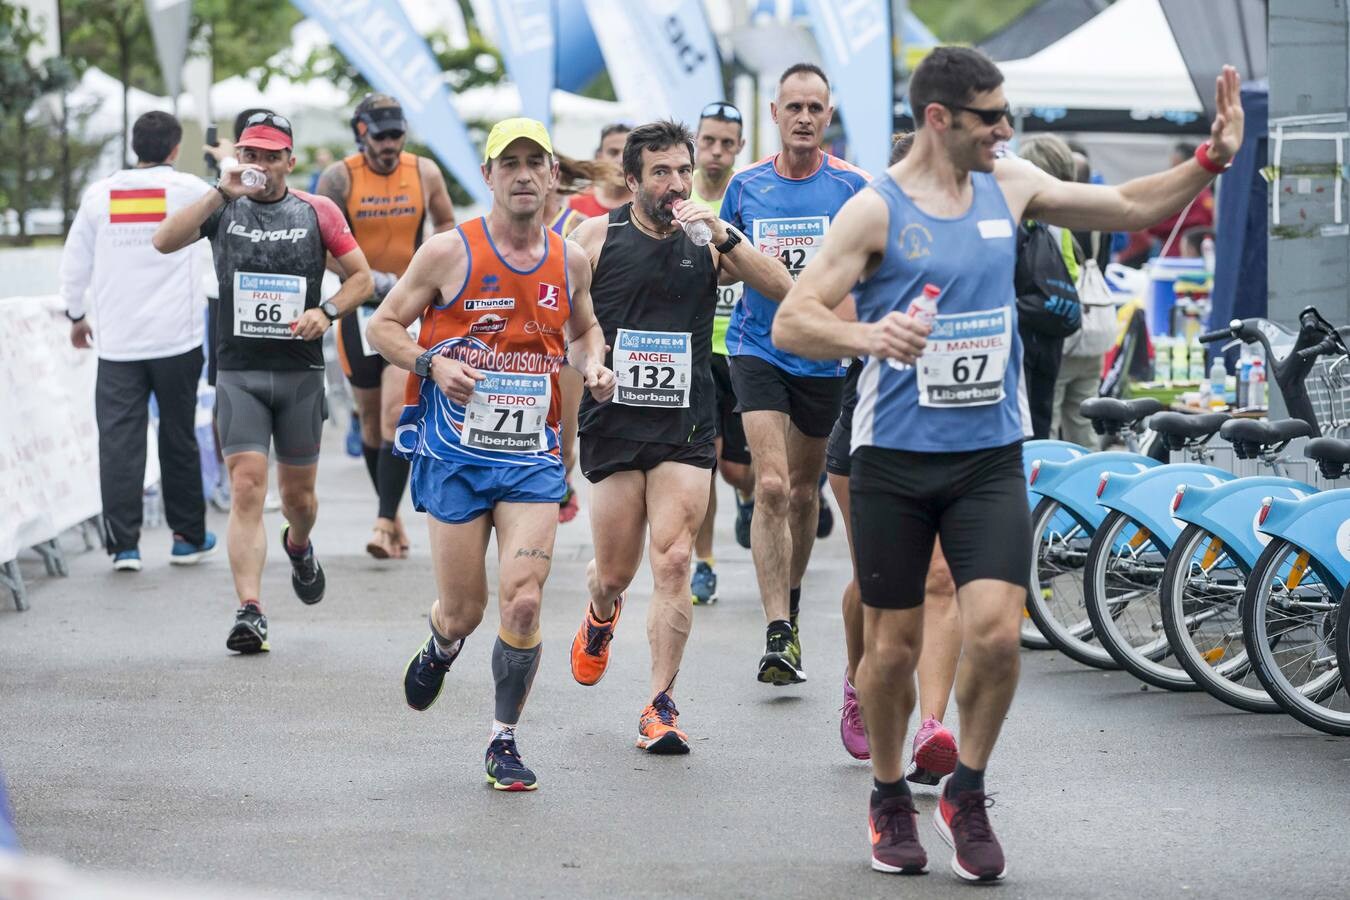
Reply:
x=133, y=741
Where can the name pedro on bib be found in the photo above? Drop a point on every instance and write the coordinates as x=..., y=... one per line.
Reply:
x=508, y=412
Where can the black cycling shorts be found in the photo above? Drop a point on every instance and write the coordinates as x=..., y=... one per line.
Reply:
x=838, y=450
x=361, y=370
x=602, y=456
x=735, y=448
x=811, y=404
x=900, y=501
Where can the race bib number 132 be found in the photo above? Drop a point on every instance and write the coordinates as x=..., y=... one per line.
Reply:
x=652, y=368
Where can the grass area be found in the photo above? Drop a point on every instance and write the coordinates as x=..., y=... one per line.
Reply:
x=40, y=240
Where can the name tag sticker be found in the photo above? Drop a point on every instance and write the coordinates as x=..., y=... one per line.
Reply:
x=995, y=228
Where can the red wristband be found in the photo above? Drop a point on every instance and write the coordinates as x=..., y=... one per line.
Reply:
x=1209, y=165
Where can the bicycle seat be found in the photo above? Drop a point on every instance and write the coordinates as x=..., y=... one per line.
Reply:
x=1332, y=455
x=1250, y=437
x=1179, y=428
x=1109, y=414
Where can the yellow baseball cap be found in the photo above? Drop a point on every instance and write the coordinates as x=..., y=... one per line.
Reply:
x=508, y=130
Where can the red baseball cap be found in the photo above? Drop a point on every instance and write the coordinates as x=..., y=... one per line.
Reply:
x=266, y=131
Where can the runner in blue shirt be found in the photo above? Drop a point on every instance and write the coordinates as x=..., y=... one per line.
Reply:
x=936, y=433
x=785, y=205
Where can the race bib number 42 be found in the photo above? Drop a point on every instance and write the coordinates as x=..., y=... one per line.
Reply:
x=266, y=305
x=794, y=241
x=508, y=412
x=652, y=368
x=966, y=358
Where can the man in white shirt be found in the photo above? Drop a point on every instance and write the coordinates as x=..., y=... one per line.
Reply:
x=148, y=309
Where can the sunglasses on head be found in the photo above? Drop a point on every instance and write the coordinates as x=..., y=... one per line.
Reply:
x=267, y=118
x=986, y=116
x=721, y=110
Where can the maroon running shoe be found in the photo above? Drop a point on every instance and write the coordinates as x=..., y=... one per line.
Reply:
x=893, y=825
x=964, y=825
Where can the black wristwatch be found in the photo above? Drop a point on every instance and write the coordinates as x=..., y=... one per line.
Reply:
x=74, y=319
x=422, y=366
x=329, y=309
x=733, y=238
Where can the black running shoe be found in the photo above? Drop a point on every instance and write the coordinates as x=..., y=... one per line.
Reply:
x=745, y=513
x=505, y=771
x=781, y=664
x=825, y=520
x=306, y=574
x=425, y=675
x=249, y=634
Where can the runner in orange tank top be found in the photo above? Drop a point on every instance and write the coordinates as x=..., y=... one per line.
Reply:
x=481, y=422
x=386, y=194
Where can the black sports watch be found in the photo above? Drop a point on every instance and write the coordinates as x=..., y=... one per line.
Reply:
x=733, y=238
x=422, y=365
x=329, y=309
x=74, y=319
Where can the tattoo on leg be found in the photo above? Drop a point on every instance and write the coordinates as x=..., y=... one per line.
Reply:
x=532, y=553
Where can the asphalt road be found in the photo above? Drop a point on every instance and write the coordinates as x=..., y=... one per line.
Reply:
x=134, y=742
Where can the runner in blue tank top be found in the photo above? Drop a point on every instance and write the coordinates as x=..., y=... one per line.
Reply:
x=936, y=439
x=785, y=205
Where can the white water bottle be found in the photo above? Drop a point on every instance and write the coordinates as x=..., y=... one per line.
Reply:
x=924, y=309
x=699, y=232
x=252, y=178
x=1256, y=389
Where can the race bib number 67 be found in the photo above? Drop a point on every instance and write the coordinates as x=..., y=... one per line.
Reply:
x=966, y=358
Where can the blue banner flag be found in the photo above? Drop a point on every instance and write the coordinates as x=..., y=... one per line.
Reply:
x=854, y=37
x=525, y=32
x=377, y=38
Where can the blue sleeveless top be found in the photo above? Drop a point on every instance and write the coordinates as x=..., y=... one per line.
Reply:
x=971, y=258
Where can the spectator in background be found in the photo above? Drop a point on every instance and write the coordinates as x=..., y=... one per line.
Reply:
x=1198, y=215
x=1041, y=279
x=149, y=339
x=320, y=159
x=601, y=198
x=1095, y=244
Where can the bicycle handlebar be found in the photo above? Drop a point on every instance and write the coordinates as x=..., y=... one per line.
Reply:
x=1326, y=346
x=1212, y=336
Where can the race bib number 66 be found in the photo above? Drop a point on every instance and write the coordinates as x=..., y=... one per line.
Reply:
x=265, y=305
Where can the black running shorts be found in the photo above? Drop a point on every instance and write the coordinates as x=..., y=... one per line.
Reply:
x=735, y=448
x=257, y=408
x=811, y=404
x=837, y=451
x=899, y=501
x=361, y=370
x=602, y=456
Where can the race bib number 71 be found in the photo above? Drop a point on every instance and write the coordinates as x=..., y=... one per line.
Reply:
x=508, y=412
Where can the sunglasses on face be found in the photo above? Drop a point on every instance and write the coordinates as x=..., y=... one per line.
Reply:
x=388, y=136
x=986, y=116
x=272, y=119
x=721, y=110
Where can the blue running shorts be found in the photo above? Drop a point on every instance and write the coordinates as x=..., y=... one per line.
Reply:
x=456, y=493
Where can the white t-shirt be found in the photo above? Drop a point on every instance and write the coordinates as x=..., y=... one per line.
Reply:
x=143, y=304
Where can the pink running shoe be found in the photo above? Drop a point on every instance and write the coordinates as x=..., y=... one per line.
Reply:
x=851, y=725
x=934, y=753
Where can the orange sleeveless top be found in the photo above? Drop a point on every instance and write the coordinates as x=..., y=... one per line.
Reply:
x=386, y=211
x=502, y=320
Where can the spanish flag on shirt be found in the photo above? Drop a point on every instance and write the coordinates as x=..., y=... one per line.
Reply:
x=144, y=205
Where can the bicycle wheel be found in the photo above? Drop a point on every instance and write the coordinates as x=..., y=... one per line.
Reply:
x=1055, y=600
x=1201, y=597
x=1120, y=588
x=1032, y=639
x=1289, y=617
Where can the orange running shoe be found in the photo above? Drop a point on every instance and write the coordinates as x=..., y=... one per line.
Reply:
x=659, y=728
x=590, y=647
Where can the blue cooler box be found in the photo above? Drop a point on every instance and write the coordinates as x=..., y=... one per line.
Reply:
x=1163, y=271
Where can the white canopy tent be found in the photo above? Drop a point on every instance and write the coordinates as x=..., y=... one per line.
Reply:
x=1124, y=59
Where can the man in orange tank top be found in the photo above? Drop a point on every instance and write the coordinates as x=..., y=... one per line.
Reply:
x=482, y=416
x=387, y=194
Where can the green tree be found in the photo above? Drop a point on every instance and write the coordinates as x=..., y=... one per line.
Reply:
x=22, y=84
x=114, y=36
x=968, y=21
x=244, y=35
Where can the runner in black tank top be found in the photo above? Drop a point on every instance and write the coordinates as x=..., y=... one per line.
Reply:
x=657, y=286
x=650, y=451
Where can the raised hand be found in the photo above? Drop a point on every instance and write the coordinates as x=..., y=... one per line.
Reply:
x=1225, y=135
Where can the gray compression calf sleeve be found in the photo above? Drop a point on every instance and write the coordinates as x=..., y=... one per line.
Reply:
x=513, y=669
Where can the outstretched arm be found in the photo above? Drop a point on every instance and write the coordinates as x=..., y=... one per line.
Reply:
x=806, y=323
x=1136, y=204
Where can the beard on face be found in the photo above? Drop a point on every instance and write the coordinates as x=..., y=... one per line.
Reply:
x=655, y=208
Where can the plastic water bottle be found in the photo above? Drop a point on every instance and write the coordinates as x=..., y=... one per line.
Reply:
x=1256, y=389
x=252, y=178
x=699, y=232
x=1244, y=377
x=1218, y=384
x=152, y=507
x=1197, y=361
x=1162, y=358
x=924, y=306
